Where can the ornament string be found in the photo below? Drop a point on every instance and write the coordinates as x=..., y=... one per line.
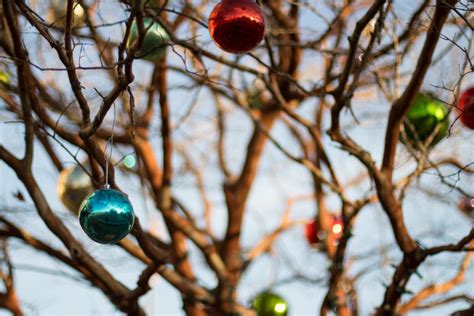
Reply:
x=110, y=143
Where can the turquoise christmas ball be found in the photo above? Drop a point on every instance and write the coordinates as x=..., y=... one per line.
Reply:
x=269, y=304
x=106, y=216
x=155, y=42
x=427, y=121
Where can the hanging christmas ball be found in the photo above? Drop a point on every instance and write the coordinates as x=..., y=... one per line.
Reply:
x=312, y=232
x=155, y=42
x=106, y=216
x=466, y=108
x=59, y=8
x=237, y=26
x=269, y=304
x=426, y=116
x=74, y=185
x=466, y=205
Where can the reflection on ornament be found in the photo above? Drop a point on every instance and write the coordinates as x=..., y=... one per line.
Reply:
x=269, y=304
x=60, y=13
x=237, y=26
x=466, y=205
x=155, y=41
x=74, y=185
x=106, y=216
x=466, y=108
x=130, y=161
x=337, y=227
x=427, y=121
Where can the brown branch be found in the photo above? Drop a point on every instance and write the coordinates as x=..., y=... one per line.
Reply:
x=401, y=106
x=408, y=266
x=437, y=289
x=113, y=288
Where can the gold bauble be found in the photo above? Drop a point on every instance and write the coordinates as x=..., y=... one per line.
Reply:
x=74, y=185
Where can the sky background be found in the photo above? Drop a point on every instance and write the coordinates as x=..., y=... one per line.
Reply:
x=47, y=287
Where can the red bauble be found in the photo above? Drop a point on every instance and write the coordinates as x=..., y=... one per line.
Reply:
x=311, y=232
x=466, y=108
x=313, y=235
x=466, y=205
x=237, y=26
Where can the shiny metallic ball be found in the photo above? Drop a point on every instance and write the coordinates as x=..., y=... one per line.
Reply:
x=237, y=26
x=74, y=185
x=269, y=304
x=427, y=122
x=155, y=42
x=107, y=216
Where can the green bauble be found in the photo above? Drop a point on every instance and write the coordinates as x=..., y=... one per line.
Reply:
x=425, y=116
x=254, y=98
x=269, y=304
x=155, y=42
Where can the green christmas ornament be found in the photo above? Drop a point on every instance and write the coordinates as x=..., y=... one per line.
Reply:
x=155, y=41
x=269, y=304
x=107, y=216
x=254, y=98
x=427, y=121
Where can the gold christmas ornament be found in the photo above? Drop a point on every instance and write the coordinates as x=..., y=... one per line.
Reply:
x=59, y=13
x=74, y=185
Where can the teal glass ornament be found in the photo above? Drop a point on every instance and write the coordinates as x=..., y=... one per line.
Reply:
x=155, y=42
x=74, y=185
x=106, y=216
x=269, y=304
x=425, y=117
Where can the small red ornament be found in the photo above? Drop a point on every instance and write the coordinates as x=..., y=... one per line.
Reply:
x=466, y=205
x=311, y=232
x=466, y=108
x=237, y=26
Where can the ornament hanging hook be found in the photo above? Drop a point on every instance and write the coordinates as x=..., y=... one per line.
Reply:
x=110, y=143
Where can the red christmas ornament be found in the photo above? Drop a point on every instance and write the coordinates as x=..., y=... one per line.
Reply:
x=466, y=108
x=237, y=26
x=466, y=205
x=311, y=232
